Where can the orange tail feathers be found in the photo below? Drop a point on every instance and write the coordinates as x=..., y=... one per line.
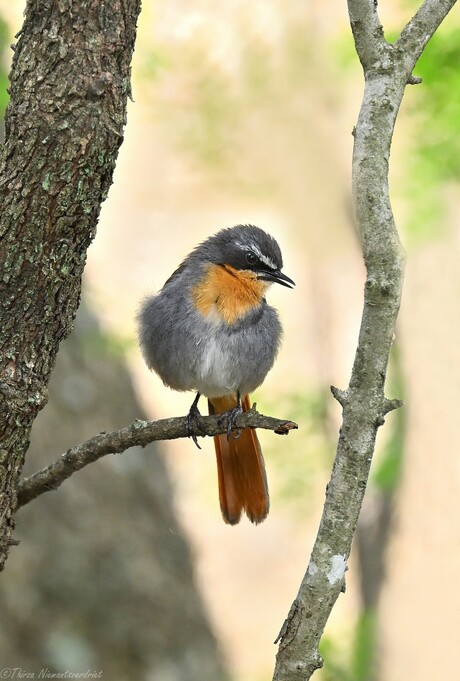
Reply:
x=240, y=469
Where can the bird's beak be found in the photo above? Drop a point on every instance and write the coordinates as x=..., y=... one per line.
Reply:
x=276, y=276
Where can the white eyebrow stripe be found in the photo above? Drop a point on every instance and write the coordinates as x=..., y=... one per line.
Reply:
x=256, y=250
x=268, y=261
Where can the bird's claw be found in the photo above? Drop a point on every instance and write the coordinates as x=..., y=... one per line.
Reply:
x=229, y=418
x=193, y=421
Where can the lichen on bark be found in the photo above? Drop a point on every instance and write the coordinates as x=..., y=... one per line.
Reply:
x=69, y=84
x=387, y=70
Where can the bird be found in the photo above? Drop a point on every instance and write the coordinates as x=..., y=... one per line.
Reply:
x=211, y=330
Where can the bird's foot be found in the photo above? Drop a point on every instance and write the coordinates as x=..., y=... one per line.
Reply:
x=229, y=418
x=194, y=421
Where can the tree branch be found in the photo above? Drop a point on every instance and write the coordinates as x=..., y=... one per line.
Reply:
x=421, y=28
x=367, y=31
x=140, y=433
x=364, y=405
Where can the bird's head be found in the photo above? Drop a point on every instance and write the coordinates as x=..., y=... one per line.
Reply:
x=247, y=247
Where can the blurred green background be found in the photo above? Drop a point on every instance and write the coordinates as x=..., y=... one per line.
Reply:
x=243, y=113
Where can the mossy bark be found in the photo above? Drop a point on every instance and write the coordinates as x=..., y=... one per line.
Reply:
x=70, y=81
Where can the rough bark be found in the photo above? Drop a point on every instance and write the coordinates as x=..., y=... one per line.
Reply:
x=387, y=70
x=70, y=81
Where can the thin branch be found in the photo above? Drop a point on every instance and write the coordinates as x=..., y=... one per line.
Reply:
x=421, y=28
x=386, y=72
x=140, y=433
x=367, y=31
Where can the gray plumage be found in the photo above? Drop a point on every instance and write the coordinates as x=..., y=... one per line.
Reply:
x=192, y=352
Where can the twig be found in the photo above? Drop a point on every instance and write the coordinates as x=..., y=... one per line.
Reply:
x=140, y=433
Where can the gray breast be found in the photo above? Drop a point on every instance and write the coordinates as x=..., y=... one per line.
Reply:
x=238, y=357
x=189, y=352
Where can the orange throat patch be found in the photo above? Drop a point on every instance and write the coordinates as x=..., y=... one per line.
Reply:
x=227, y=294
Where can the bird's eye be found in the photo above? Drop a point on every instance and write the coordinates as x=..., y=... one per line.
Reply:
x=251, y=259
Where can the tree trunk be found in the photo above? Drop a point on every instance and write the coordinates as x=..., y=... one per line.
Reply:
x=64, y=125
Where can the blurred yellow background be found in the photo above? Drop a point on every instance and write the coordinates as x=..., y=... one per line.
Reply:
x=243, y=113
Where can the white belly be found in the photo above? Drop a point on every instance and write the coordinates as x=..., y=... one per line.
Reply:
x=216, y=374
